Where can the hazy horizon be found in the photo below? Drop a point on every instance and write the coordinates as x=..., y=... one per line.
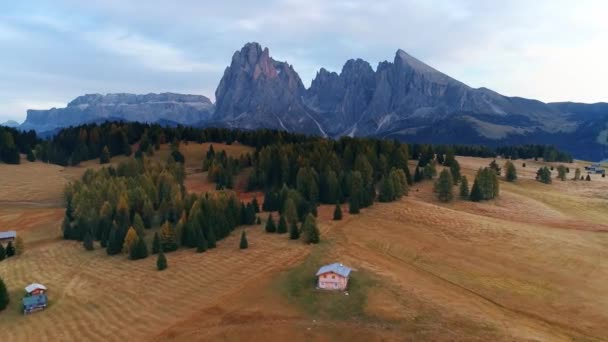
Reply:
x=54, y=51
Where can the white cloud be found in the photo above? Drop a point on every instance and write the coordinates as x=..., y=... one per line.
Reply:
x=152, y=54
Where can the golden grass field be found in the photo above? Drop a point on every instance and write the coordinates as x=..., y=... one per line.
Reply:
x=531, y=265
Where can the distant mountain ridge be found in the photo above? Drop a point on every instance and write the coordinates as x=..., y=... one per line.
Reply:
x=184, y=109
x=403, y=99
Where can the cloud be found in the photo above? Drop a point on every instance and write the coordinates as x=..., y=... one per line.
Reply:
x=547, y=49
x=152, y=54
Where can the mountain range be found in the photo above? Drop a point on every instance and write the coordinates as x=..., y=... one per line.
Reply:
x=404, y=99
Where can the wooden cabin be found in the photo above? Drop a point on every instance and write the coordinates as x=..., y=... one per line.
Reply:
x=35, y=289
x=333, y=277
x=8, y=236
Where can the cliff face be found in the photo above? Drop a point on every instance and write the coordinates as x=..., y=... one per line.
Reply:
x=257, y=91
x=178, y=108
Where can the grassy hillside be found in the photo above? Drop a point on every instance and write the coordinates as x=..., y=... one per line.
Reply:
x=530, y=265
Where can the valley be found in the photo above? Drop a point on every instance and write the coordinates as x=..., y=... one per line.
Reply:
x=529, y=265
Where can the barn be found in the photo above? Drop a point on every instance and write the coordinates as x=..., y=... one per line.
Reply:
x=8, y=236
x=333, y=277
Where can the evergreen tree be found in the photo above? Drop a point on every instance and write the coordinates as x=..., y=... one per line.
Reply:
x=156, y=243
x=476, y=194
x=2, y=252
x=258, y=220
x=211, y=239
x=387, y=190
x=290, y=211
x=294, y=231
x=356, y=193
x=130, y=240
x=19, y=245
x=201, y=243
x=138, y=224
x=510, y=171
x=543, y=175
x=310, y=231
x=282, y=228
x=87, y=242
x=443, y=186
x=577, y=174
x=337, y=212
x=4, y=296
x=104, y=158
x=168, y=238
x=464, y=187
x=270, y=225
x=244, y=244
x=139, y=250
x=494, y=166
x=588, y=178
x=115, y=240
x=523, y=165
x=10, y=249
x=429, y=171
x=561, y=172
x=256, y=205
x=161, y=261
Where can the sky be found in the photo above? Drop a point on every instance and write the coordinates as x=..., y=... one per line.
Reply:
x=52, y=51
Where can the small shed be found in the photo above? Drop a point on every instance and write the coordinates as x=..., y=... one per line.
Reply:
x=34, y=303
x=333, y=277
x=7, y=236
x=35, y=289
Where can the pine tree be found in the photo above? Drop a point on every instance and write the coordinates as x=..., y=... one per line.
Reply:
x=211, y=239
x=244, y=244
x=138, y=224
x=87, y=242
x=310, y=231
x=561, y=172
x=387, y=190
x=464, y=187
x=156, y=243
x=588, y=178
x=2, y=252
x=294, y=231
x=10, y=249
x=161, y=261
x=290, y=211
x=543, y=175
x=443, y=186
x=19, y=245
x=139, y=250
x=4, y=296
x=168, y=238
x=201, y=243
x=104, y=158
x=476, y=194
x=337, y=212
x=282, y=228
x=130, y=240
x=256, y=205
x=494, y=166
x=510, y=171
x=356, y=193
x=270, y=225
x=429, y=171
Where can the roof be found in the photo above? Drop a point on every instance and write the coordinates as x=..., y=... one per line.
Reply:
x=35, y=300
x=8, y=234
x=336, y=268
x=35, y=286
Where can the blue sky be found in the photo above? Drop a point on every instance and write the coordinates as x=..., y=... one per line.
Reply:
x=54, y=50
